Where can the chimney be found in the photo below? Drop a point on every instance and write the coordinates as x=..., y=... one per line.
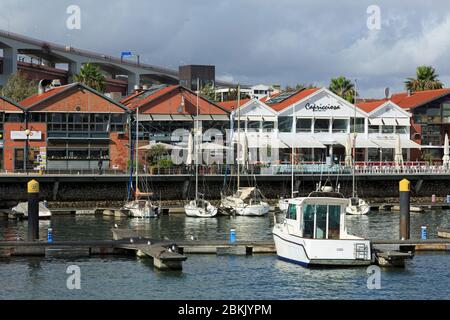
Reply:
x=56, y=83
x=137, y=89
x=43, y=84
x=145, y=87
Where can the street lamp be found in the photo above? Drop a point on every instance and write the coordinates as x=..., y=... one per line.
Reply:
x=27, y=134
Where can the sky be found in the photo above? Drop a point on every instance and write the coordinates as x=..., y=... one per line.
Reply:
x=256, y=41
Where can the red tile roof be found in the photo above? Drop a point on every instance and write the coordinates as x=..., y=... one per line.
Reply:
x=34, y=99
x=232, y=105
x=7, y=104
x=292, y=99
x=169, y=99
x=371, y=105
x=402, y=99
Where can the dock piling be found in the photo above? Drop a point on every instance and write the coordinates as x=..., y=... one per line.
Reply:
x=33, y=210
x=405, y=206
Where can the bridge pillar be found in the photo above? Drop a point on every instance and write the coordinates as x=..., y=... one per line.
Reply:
x=74, y=68
x=9, y=64
x=133, y=80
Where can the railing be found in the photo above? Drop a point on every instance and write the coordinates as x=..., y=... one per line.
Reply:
x=361, y=168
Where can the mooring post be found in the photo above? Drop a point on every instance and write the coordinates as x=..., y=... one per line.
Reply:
x=405, y=200
x=33, y=210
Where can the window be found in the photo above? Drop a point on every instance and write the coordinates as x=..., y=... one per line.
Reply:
x=359, y=125
x=322, y=125
x=321, y=222
x=340, y=125
x=308, y=221
x=387, y=129
x=401, y=129
x=446, y=112
x=374, y=129
x=292, y=212
x=253, y=125
x=268, y=126
x=285, y=124
x=334, y=222
x=304, y=125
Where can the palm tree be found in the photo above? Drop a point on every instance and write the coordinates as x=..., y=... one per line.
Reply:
x=426, y=79
x=344, y=88
x=91, y=76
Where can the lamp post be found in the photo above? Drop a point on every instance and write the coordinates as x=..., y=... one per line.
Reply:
x=27, y=134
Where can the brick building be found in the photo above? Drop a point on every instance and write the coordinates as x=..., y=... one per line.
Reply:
x=70, y=127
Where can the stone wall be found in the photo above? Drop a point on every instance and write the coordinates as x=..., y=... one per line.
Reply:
x=175, y=192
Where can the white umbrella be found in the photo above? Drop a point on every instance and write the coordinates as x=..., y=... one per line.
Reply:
x=190, y=156
x=398, y=153
x=212, y=146
x=446, y=158
x=161, y=144
x=348, y=151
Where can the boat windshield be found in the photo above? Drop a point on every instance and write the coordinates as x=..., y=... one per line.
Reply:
x=321, y=221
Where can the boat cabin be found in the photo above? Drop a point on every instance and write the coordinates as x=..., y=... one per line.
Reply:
x=317, y=218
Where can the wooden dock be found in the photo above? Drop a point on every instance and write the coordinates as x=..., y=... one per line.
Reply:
x=443, y=233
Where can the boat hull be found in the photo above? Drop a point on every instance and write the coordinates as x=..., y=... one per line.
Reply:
x=193, y=211
x=256, y=210
x=321, y=253
x=146, y=211
x=362, y=208
x=22, y=210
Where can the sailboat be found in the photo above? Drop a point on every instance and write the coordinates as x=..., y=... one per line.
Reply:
x=283, y=204
x=199, y=207
x=356, y=205
x=246, y=201
x=141, y=206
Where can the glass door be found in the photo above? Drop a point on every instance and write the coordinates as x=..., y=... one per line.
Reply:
x=19, y=158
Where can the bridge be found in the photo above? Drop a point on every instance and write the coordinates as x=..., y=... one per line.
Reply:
x=50, y=54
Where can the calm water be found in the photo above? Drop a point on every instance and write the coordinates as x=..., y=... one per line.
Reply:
x=427, y=276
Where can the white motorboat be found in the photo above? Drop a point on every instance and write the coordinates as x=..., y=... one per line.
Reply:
x=357, y=207
x=22, y=210
x=141, y=209
x=313, y=233
x=200, y=209
x=246, y=202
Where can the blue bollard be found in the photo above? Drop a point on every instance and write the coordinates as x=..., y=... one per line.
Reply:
x=424, y=232
x=448, y=199
x=232, y=236
x=50, y=235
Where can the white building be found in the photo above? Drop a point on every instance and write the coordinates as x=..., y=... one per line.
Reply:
x=317, y=123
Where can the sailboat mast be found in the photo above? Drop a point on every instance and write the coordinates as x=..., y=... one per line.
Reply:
x=195, y=141
x=137, y=153
x=354, y=144
x=292, y=152
x=239, y=138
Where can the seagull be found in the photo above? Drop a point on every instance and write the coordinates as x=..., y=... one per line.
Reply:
x=193, y=238
x=149, y=243
x=166, y=238
x=131, y=241
x=116, y=226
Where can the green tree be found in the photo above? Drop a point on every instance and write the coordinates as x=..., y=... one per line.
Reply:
x=298, y=86
x=91, y=76
x=208, y=92
x=18, y=88
x=155, y=154
x=344, y=88
x=426, y=79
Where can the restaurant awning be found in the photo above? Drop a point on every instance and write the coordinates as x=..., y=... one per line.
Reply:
x=161, y=117
x=376, y=122
x=390, y=121
x=254, y=118
x=300, y=141
x=263, y=140
x=404, y=122
x=220, y=117
x=391, y=143
x=181, y=117
x=361, y=142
